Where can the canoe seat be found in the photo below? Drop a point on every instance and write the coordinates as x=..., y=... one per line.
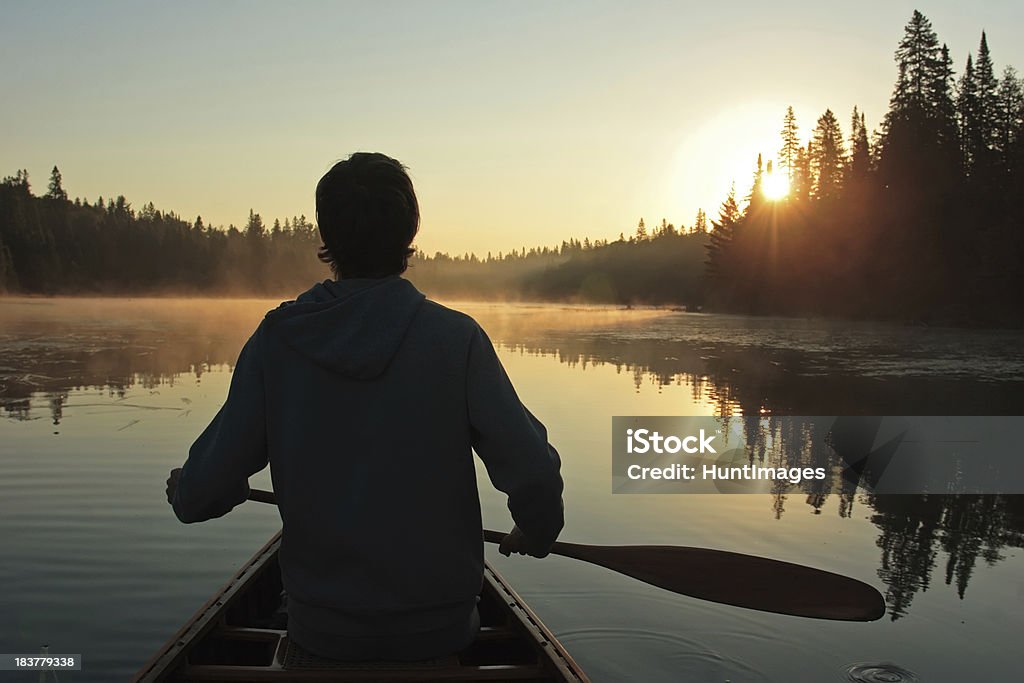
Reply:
x=296, y=657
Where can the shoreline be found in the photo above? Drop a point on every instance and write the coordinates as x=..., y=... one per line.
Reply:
x=31, y=298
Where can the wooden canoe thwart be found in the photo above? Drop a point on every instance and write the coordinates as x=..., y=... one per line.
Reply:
x=240, y=634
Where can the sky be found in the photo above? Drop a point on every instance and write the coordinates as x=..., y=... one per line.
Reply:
x=522, y=123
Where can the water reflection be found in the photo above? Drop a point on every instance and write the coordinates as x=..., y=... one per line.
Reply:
x=852, y=374
x=52, y=348
x=864, y=371
x=752, y=370
x=966, y=528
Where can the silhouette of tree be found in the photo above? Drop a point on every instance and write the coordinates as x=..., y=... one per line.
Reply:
x=800, y=189
x=254, y=228
x=55, y=190
x=918, y=58
x=756, y=197
x=986, y=88
x=700, y=223
x=916, y=144
x=722, y=237
x=860, y=150
x=942, y=98
x=968, y=112
x=790, y=144
x=1009, y=118
x=828, y=158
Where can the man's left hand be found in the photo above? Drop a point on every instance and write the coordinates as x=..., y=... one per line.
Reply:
x=172, y=483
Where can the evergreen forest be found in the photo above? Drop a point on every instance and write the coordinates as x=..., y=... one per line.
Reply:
x=919, y=220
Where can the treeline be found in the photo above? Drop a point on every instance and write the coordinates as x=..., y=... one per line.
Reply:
x=661, y=266
x=921, y=220
x=50, y=245
x=923, y=223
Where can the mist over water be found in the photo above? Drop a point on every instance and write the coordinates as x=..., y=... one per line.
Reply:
x=100, y=397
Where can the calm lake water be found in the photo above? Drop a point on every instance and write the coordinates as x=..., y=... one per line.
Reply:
x=100, y=398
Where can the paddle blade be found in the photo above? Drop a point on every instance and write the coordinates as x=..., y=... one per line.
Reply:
x=736, y=579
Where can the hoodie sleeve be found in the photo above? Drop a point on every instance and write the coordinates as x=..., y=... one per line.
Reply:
x=215, y=478
x=513, y=445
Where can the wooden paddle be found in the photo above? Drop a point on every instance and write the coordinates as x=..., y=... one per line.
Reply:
x=724, y=577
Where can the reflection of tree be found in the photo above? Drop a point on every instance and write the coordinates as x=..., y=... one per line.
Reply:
x=745, y=379
x=49, y=359
x=908, y=538
x=755, y=386
x=56, y=400
x=914, y=528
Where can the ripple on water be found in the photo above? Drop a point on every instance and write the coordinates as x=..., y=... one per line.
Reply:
x=661, y=656
x=879, y=673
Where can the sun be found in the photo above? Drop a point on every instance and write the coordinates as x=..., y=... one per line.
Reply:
x=775, y=186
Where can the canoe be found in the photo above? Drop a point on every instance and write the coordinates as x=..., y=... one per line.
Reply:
x=241, y=634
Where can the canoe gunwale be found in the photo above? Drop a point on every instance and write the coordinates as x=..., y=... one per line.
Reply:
x=206, y=618
x=553, y=662
x=530, y=622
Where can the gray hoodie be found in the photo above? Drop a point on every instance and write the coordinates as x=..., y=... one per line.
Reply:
x=367, y=400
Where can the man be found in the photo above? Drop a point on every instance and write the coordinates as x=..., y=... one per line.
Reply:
x=366, y=400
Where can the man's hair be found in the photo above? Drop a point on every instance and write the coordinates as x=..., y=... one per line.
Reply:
x=368, y=216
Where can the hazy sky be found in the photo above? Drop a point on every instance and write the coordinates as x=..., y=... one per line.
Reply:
x=522, y=123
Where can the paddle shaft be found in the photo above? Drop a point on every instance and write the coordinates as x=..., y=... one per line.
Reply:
x=268, y=497
x=720, y=576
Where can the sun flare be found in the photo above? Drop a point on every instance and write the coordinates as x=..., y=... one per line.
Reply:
x=775, y=186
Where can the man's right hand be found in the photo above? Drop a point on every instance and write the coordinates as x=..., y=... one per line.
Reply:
x=517, y=542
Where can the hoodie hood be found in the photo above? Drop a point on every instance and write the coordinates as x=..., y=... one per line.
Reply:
x=353, y=326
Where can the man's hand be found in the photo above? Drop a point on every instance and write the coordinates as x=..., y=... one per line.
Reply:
x=517, y=542
x=172, y=483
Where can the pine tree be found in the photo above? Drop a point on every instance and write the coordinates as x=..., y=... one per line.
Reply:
x=790, y=144
x=254, y=228
x=700, y=224
x=122, y=208
x=860, y=148
x=641, y=231
x=19, y=180
x=800, y=189
x=722, y=237
x=987, y=88
x=1010, y=116
x=56, y=191
x=967, y=113
x=942, y=103
x=829, y=157
x=986, y=122
x=918, y=57
x=918, y=145
x=756, y=197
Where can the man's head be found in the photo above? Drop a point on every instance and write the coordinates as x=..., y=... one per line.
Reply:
x=367, y=213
